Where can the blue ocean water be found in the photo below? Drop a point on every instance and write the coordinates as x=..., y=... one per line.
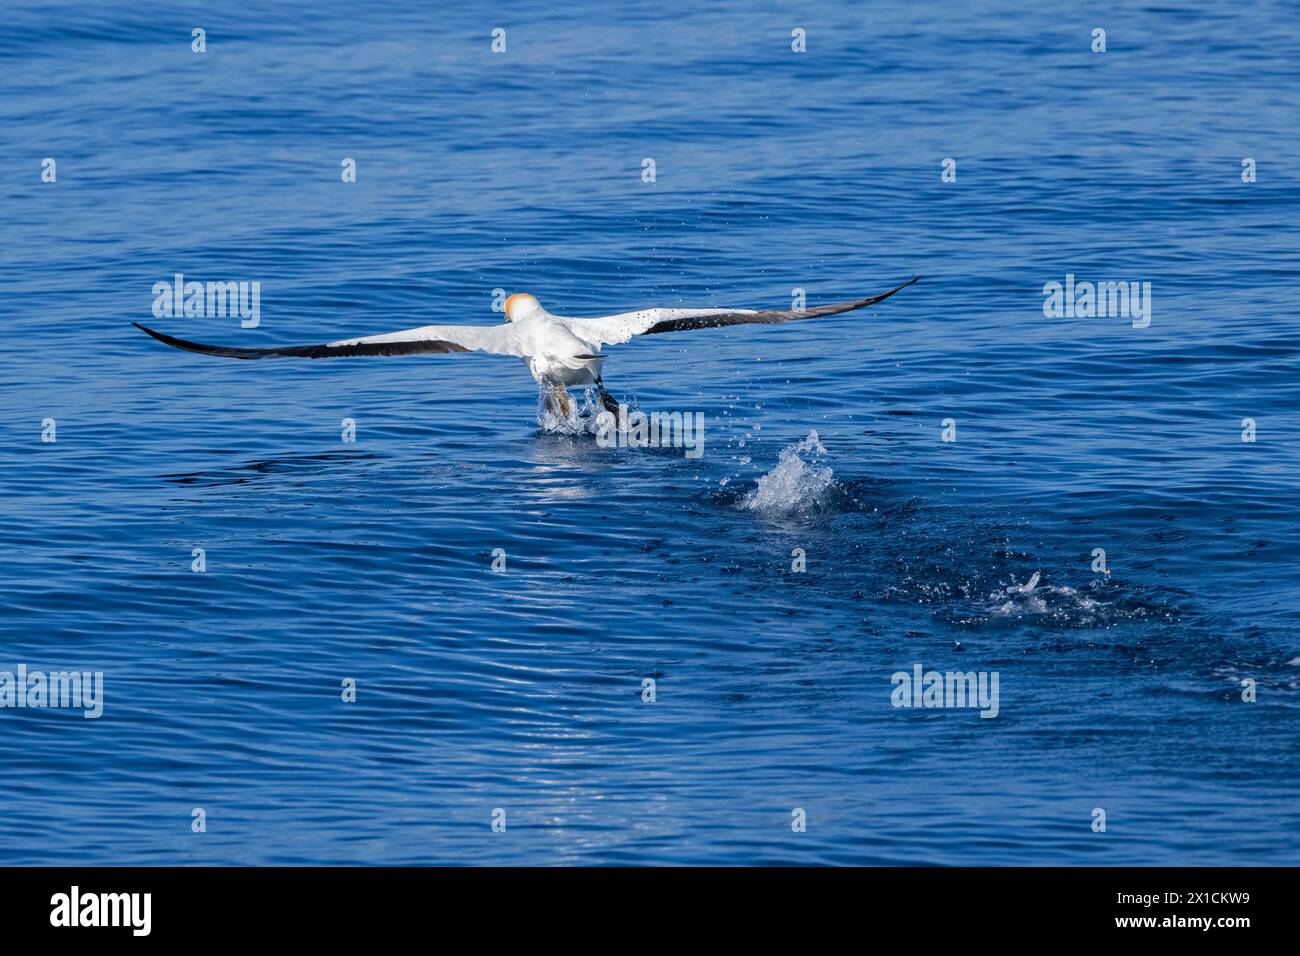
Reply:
x=521, y=691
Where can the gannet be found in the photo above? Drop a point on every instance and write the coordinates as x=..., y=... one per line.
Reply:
x=559, y=351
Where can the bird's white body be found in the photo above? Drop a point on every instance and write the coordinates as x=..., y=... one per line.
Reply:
x=554, y=353
x=551, y=368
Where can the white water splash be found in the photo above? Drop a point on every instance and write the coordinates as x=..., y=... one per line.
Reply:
x=794, y=486
x=1016, y=600
x=581, y=419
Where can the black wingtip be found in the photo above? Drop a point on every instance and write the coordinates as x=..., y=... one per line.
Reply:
x=174, y=342
x=166, y=339
x=885, y=295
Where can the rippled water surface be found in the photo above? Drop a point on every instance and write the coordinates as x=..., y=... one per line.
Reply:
x=522, y=690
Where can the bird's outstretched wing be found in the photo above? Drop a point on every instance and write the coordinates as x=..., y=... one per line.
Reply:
x=494, y=339
x=617, y=329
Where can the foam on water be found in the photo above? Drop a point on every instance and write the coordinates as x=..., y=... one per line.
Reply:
x=1033, y=598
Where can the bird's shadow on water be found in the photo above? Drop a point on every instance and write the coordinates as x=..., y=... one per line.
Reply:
x=263, y=468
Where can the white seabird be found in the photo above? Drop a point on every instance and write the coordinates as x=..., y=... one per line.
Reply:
x=559, y=351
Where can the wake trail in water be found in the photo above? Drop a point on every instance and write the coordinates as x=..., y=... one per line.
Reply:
x=956, y=562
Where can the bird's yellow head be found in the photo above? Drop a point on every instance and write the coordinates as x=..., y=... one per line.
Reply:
x=521, y=305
